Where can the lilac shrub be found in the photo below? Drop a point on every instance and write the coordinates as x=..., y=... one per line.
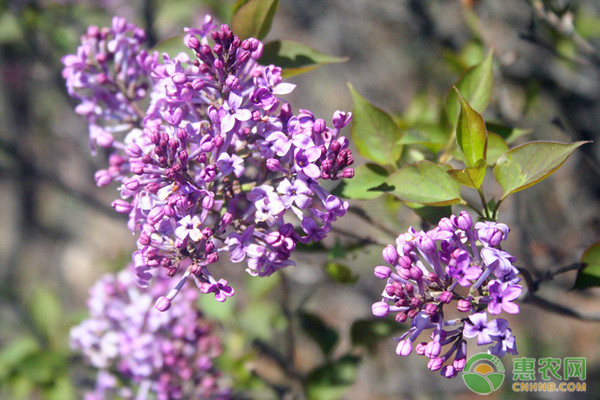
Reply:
x=142, y=353
x=217, y=164
x=457, y=265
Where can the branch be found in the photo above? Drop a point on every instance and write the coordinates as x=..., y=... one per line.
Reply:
x=534, y=284
x=359, y=212
x=563, y=25
x=534, y=299
x=33, y=171
x=361, y=240
x=561, y=309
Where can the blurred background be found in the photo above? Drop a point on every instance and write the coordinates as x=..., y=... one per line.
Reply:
x=58, y=233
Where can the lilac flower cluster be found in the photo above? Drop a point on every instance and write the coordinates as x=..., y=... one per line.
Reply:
x=458, y=263
x=142, y=353
x=218, y=163
x=110, y=76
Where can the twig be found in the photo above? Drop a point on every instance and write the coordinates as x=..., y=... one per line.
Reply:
x=564, y=26
x=534, y=284
x=561, y=309
x=361, y=239
x=34, y=172
x=363, y=215
x=534, y=299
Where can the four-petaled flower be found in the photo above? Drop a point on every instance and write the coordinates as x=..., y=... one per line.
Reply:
x=233, y=111
x=220, y=288
x=189, y=227
x=503, y=294
x=477, y=326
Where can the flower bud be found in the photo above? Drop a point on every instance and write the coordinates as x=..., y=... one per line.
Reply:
x=404, y=348
x=382, y=272
x=133, y=150
x=433, y=349
x=435, y=363
x=390, y=255
x=449, y=371
x=380, y=309
x=122, y=206
x=463, y=305
x=162, y=304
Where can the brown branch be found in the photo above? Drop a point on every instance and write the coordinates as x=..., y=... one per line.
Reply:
x=561, y=309
x=359, y=212
x=532, y=298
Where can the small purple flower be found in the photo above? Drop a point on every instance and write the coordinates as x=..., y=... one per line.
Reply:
x=313, y=231
x=189, y=227
x=503, y=295
x=221, y=290
x=499, y=261
x=231, y=163
x=297, y=193
x=281, y=143
x=477, y=326
x=237, y=244
x=233, y=111
x=305, y=161
x=506, y=343
x=491, y=233
x=463, y=271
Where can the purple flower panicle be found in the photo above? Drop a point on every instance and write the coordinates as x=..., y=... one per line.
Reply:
x=218, y=166
x=457, y=264
x=139, y=350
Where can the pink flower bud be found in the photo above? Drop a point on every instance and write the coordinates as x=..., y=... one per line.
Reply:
x=380, y=309
x=162, y=304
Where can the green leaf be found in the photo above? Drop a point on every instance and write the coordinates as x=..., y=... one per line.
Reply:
x=374, y=132
x=589, y=275
x=425, y=183
x=47, y=313
x=431, y=214
x=476, y=88
x=21, y=388
x=505, y=132
x=323, y=335
x=253, y=18
x=367, y=332
x=337, y=251
x=261, y=319
x=15, y=352
x=340, y=273
x=471, y=176
x=496, y=146
x=528, y=164
x=471, y=134
x=295, y=58
x=366, y=177
x=42, y=367
x=331, y=380
x=62, y=389
x=237, y=5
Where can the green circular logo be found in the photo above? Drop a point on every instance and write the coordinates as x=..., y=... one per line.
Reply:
x=484, y=373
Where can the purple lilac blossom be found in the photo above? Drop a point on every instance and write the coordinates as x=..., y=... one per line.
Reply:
x=218, y=164
x=142, y=353
x=430, y=271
